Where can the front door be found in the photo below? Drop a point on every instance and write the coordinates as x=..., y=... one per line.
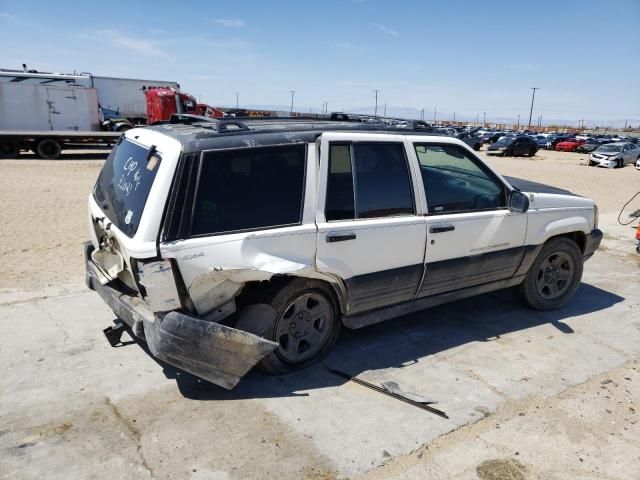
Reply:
x=371, y=233
x=472, y=237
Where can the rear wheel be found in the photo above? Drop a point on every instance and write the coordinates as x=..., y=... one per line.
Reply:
x=553, y=277
x=48, y=149
x=306, y=325
x=8, y=149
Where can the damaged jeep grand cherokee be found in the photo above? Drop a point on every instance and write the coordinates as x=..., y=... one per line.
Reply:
x=224, y=244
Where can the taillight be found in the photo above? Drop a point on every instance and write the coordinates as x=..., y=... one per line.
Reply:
x=638, y=233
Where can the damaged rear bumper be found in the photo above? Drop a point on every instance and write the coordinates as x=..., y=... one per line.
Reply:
x=214, y=352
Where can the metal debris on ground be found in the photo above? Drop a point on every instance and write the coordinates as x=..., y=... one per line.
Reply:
x=391, y=390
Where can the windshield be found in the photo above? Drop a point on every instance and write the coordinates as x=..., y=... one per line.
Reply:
x=124, y=184
x=505, y=141
x=612, y=148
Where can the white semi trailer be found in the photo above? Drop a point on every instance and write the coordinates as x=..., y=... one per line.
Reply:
x=46, y=112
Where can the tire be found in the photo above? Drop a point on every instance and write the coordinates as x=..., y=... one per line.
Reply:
x=48, y=149
x=295, y=306
x=554, y=276
x=8, y=149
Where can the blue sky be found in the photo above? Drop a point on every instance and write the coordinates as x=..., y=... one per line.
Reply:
x=467, y=57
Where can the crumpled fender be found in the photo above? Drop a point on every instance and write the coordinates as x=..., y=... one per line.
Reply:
x=214, y=352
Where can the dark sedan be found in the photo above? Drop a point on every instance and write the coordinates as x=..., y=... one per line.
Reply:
x=471, y=140
x=514, y=146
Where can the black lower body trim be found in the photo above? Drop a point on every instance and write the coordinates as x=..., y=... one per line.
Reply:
x=382, y=314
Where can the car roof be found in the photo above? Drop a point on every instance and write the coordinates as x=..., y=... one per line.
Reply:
x=200, y=133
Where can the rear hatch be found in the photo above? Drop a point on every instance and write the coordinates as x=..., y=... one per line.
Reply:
x=127, y=202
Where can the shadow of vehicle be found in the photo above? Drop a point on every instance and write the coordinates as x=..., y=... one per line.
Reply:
x=402, y=342
x=84, y=154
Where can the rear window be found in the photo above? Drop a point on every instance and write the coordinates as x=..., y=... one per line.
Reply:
x=249, y=189
x=124, y=184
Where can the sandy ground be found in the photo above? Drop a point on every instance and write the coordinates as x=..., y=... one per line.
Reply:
x=44, y=223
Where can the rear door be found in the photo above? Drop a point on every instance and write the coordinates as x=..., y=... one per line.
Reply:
x=62, y=109
x=371, y=232
x=472, y=237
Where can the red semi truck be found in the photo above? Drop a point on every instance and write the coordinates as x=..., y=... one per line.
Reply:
x=163, y=102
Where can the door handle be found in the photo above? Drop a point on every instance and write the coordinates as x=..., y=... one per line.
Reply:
x=340, y=237
x=441, y=228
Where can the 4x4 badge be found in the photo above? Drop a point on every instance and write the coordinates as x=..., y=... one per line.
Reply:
x=191, y=257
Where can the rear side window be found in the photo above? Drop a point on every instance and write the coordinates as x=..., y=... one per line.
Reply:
x=339, y=203
x=249, y=189
x=368, y=180
x=124, y=184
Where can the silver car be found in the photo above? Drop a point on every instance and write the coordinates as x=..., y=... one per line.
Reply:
x=615, y=155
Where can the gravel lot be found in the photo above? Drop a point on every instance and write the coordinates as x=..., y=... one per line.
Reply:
x=530, y=394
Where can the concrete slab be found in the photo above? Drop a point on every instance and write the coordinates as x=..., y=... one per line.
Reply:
x=73, y=407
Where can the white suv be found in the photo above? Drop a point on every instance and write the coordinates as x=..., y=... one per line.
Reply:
x=225, y=243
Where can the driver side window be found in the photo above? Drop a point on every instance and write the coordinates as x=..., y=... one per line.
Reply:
x=455, y=182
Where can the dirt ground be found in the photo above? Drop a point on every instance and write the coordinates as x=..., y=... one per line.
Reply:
x=43, y=208
x=531, y=395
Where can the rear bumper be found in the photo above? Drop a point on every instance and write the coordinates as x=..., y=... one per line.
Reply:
x=214, y=352
x=592, y=242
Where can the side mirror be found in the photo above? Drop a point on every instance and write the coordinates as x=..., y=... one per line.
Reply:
x=518, y=202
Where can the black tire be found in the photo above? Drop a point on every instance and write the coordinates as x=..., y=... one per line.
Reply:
x=532, y=152
x=301, y=327
x=8, y=149
x=559, y=258
x=620, y=163
x=48, y=149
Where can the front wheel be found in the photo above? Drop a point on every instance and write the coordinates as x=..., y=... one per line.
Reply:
x=554, y=276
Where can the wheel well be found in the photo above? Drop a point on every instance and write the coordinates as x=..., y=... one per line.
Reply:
x=577, y=237
x=263, y=291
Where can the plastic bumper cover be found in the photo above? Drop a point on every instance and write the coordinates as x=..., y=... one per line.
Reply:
x=217, y=353
x=592, y=242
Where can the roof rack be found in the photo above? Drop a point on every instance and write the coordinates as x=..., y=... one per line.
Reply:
x=220, y=125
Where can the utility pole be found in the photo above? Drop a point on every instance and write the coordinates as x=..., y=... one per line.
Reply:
x=236, y=99
x=422, y=114
x=376, y=110
x=477, y=118
x=533, y=97
x=435, y=112
x=484, y=118
x=385, y=109
x=454, y=116
x=518, y=121
x=293, y=92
